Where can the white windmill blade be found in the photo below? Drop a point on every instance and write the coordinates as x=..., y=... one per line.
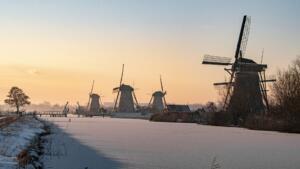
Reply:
x=150, y=101
x=116, y=89
x=262, y=56
x=245, y=35
x=116, y=101
x=228, y=92
x=162, y=90
x=121, y=80
x=101, y=103
x=161, y=84
x=92, y=89
x=216, y=60
x=243, y=38
x=136, y=101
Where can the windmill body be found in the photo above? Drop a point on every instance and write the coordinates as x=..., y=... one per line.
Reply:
x=126, y=103
x=246, y=97
x=95, y=104
x=158, y=103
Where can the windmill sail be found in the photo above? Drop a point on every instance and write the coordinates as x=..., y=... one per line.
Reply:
x=117, y=89
x=243, y=37
x=162, y=90
x=216, y=60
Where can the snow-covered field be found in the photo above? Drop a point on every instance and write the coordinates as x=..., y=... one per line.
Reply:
x=107, y=143
x=15, y=138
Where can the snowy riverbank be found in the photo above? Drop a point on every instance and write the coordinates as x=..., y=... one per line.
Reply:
x=15, y=138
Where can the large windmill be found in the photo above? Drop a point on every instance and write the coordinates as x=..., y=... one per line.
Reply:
x=246, y=90
x=158, y=101
x=128, y=100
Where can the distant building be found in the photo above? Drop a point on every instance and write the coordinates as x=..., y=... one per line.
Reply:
x=176, y=108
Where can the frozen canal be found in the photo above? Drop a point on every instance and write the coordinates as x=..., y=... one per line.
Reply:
x=138, y=144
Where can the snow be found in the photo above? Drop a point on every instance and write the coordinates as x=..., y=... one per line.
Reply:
x=16, y=137
x=112, y=143
x=131, y=115
x=63, y=151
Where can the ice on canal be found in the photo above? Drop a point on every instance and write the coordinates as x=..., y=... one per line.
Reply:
x=94, y=143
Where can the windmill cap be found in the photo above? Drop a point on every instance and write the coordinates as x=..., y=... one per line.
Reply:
x=94, y=95
x=126, y=87
x=158, y=93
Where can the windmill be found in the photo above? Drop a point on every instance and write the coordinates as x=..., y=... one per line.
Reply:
x=88, y=104
x=246, y=91
x=128, y=100
x=66, y=109
x=80, y=109
x=158, y=101
x=94, y=105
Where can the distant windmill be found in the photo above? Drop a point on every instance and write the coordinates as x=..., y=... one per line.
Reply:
x=93, y=106
x=66, y=109
x=88, y=104
x=246, y=90
x=158, y=101
x=128, y=100
x=80, y=110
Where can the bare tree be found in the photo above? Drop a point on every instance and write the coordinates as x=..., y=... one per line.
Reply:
x=286, y=91
x=17, y=98
x=211, y=107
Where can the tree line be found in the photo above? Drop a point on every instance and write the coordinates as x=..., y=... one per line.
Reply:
x=285, y=101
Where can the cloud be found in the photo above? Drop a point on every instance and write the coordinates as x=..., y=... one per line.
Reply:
x=33, y=72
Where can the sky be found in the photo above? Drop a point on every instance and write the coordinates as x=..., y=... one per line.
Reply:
x=54, y=49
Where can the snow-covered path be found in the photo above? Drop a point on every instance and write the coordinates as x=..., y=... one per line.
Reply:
x=16, y=137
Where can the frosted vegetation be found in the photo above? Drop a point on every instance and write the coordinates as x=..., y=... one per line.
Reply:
x=15, y=138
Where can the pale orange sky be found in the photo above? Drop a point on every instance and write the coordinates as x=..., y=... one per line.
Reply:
x=55, y=56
